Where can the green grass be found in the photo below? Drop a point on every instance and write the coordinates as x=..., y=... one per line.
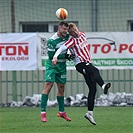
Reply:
x=27, y=120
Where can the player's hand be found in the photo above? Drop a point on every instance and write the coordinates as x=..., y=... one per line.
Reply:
x=70, y=56
x=54, y=61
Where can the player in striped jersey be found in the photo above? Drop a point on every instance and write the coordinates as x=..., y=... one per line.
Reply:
x=78, y=46
x=55, y=73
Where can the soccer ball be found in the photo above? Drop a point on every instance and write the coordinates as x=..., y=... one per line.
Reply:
x=61, y=13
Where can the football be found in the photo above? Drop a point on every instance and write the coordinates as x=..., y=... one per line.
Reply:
x=61, y=13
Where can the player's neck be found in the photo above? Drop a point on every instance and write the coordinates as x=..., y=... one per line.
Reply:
x=77, y=36
x=59, y=35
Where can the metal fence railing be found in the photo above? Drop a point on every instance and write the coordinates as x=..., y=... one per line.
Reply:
x=16, y=85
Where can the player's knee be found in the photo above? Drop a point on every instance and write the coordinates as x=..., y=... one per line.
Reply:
x=47, y=87
x=61, y=90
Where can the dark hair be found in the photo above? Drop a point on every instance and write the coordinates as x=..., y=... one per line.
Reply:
x=63, y=23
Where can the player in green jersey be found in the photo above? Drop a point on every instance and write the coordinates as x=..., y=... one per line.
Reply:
x=56, y=73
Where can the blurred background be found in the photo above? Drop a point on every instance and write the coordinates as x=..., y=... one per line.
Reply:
x=21, y=16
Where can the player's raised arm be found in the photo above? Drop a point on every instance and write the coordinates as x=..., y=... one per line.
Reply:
x=55, y=57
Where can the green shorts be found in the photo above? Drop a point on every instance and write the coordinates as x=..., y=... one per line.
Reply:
x=56, y=73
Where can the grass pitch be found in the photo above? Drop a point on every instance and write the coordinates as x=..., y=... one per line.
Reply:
x=27, y=120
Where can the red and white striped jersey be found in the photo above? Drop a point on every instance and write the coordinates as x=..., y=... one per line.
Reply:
x=79, y=47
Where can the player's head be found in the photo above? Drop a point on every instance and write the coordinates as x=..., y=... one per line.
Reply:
x=73, y=30
x=62, y=29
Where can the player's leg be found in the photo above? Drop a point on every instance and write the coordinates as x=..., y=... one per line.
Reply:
x=91, y=98
x=87, y=68
x=81, y=68
x=60, y=98
x=47, y=87
x=97, y=77
x=92, y=92
x=49, y=80
x=61, y=80
x=44, y=99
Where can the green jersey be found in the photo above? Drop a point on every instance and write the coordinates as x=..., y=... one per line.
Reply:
x=56, y=73
x=54, y=43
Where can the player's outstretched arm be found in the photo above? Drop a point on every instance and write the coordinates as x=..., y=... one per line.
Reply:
x=61, y=49
x=54, y=61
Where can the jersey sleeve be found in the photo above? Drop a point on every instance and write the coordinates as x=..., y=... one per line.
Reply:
x=82, y=33
x=70, y=42
x=52, y=49
x=61, y=49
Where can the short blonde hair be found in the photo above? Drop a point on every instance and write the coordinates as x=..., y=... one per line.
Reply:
x=71, y=26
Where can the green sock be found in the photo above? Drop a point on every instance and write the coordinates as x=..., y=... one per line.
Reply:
x=44, y=100
x=60, y=100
